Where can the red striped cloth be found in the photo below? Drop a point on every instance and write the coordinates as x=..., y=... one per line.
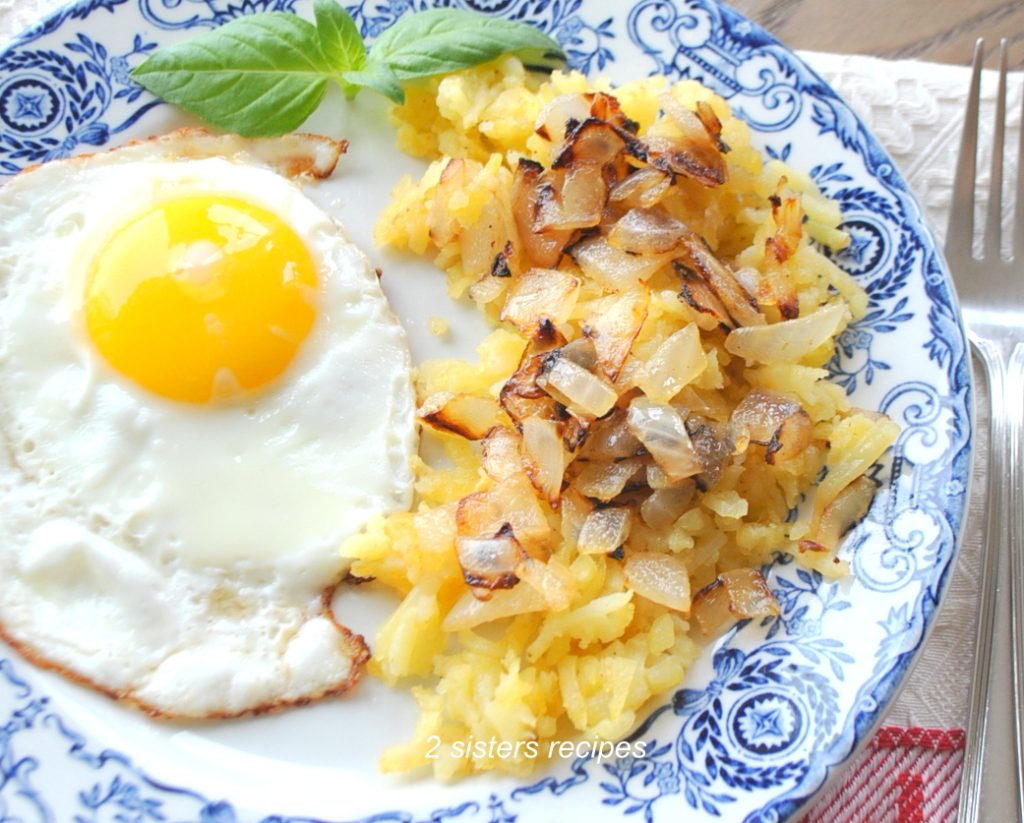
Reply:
x=921, y=783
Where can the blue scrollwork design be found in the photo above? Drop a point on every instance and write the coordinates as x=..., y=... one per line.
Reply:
x=190, y=14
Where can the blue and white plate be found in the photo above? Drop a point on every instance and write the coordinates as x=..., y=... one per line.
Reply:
x=769, y=713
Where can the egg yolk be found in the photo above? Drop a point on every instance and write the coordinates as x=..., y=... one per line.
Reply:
x=201, y=298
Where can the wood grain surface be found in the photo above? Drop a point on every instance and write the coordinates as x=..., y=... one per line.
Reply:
x=942, y=31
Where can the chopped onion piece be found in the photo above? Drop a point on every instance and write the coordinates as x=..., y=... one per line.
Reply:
x=477, y=515
x=613, y=268
x=854, y=445
x=793, y=436
x=529, y=190
x=538, y=295
x=644, y=187
x=647, y=231
x=442, y=224
x=487, y=289
x=713, y=443
x=661, y=430
x=697, y=153
x=470, y=612
x=735, y=595
x=553, y=580
x=762, y=412
x=694, y=291
x=663, y=507
x=546, y=458
x=738, y=302
x=660, y=578
x=657, y=479
x=788, y=340
x=517, y=500
x=463, y=414
x=579, y=203
x=490, y=562
x=678, y=360
x=611, y=439
x=556, y=116
x=841, y=515
x=606, y=481
x=580, y=351
x=574, y=510
x=512, y=501
x=501, y=453
x=614, y=330
x=482, y=242
x=591, y=143
x=605, y=530
x=576, y=387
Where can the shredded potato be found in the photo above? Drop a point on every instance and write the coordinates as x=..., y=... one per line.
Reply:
x=648, y=423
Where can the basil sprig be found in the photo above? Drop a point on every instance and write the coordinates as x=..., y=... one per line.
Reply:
x=264, y=74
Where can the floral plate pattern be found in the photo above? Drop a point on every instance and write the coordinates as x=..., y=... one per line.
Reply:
x=775, y=708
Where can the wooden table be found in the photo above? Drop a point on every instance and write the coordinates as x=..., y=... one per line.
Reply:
x=942, y=31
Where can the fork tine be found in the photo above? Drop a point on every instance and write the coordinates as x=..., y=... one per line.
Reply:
x=1018, y=218
x=960, y=232
x=994, y=217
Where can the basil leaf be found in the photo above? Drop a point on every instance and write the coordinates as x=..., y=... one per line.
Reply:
x=258, y=75
x=340, y=41
x=378, y=77
x=443, y=40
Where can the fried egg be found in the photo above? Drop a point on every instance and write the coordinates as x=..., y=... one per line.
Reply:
x=203, y=391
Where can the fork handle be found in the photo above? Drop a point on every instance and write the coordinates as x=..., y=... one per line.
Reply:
x=996, y=531
x=1014, y=409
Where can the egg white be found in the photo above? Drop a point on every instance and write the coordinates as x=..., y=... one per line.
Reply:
x=177, y=555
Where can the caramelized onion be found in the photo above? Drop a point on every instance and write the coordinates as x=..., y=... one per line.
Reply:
x=490, y=562
x=647, y=231
x=678, y=360
x=841, y=515
x=576, y=387
x=738, y=302
x=540, y=249
x=610, y=439
x=486, y=241
x=553, y=580
x=592, y=143
x=614, y=330
x=576, y=201
x=663, y=507
x=501, y=453
x=734, y=595
x=788, y=340
x=561, y=114
x=660, y=578
x=776, y=421
x=661, y=430
x=780, y=247
x=695, y=292
x=470, y=612
x=546, y=459
x=713, y=444
x=442, y=224
x=538, y=295
x=697, y=153
x=463, y=414
x=605, y=530
x=613, y=268
x=606, y=481
x=644, y=187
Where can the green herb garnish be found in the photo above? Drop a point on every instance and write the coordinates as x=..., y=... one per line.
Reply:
x=264, y=74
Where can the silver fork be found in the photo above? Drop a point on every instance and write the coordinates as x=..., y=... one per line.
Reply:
x=991, y=292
